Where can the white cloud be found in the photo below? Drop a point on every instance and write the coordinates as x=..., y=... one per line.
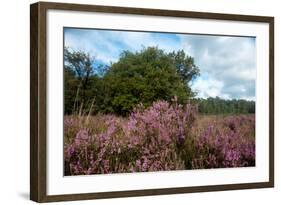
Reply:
x=209, y=88
x=229, y=60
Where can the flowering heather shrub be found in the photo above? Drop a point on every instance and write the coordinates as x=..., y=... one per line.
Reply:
x=146, y=141
x=229, y=145
x=158, y=132
x=161, y=137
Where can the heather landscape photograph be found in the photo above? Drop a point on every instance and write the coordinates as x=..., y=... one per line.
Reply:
x=137, y=101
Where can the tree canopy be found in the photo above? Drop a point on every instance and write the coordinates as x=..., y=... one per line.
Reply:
x=137, y=77
x=147, y=76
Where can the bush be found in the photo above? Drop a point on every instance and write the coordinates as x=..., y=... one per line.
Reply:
x=146, y=141
x=161, y=137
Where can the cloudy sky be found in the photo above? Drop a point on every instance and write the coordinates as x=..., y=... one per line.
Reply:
x=227, y=64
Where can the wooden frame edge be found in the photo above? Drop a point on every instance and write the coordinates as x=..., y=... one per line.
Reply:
x=38, y=101
x=34, y=102
x=271, y=101
x=153, y=12
x=155, y=192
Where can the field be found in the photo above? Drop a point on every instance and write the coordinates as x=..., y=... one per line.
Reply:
x=161, y=137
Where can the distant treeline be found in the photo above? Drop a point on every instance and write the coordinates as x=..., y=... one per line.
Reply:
x=221, y=106
x=138, y=77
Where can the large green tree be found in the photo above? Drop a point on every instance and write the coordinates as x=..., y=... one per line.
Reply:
x=146, y=76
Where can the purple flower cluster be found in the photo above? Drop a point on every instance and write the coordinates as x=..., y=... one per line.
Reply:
x=163, y=136
x=226, y=145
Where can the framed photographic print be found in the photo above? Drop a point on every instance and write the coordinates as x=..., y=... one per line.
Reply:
x=134, y=102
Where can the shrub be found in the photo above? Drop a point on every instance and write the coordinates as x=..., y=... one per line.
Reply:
x=161, y=137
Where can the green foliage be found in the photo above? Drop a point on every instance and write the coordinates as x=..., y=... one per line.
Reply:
x=137, y=77
x=221, y=106
x=81, y=86
x=185, y=65
x=147, y=76
x=71, y=84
